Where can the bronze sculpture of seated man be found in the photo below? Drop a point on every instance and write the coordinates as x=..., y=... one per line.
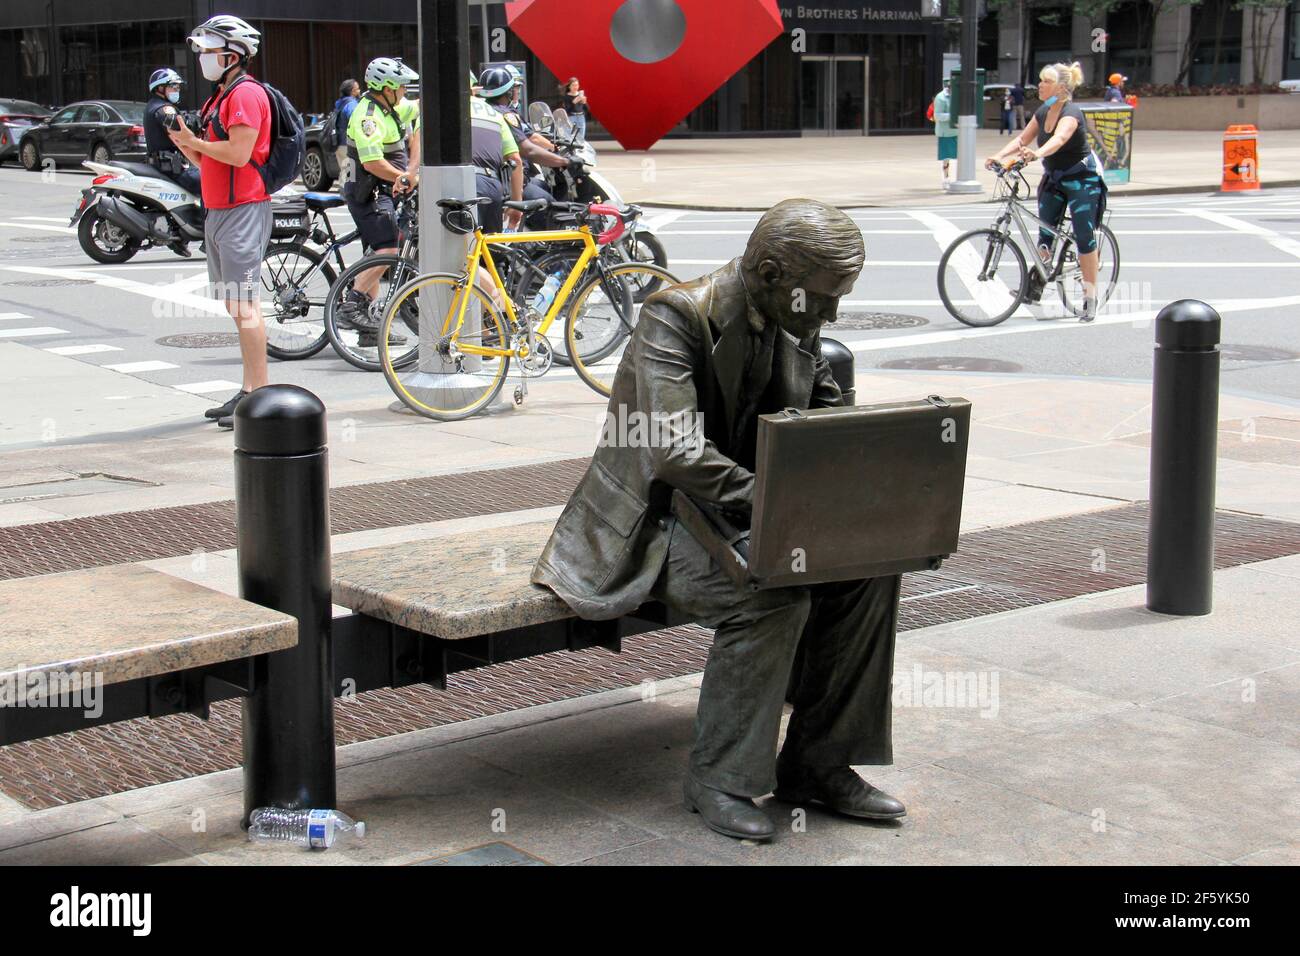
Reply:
x=707, y=358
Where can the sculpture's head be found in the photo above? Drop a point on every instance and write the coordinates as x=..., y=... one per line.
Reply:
x=802, y=258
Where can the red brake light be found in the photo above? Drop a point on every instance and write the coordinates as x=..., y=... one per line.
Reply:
x=137, y=131
x=100, y=180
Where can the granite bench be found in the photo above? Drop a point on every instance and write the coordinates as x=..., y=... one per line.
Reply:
x=91, y=647
x=458, y=602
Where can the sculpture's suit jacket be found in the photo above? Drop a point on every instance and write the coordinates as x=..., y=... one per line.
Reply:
x=688, y=358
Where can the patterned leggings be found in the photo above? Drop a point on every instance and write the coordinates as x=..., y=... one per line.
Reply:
x=1086, y=198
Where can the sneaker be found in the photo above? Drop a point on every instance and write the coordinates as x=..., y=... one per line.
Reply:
x=224, y=411
x=369, y=339
x=354, y=312
x=1089, y=310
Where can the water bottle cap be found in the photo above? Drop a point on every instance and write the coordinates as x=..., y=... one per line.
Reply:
x=361, y=828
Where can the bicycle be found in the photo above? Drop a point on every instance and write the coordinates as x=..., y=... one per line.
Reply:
x=357, y=343
x=469, y=350
x=990, y=271
x=297, y=278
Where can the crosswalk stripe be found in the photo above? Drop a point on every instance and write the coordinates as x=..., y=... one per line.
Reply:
x=202, y=388
x=82, y=349
x=30, y=333
x=130, y=368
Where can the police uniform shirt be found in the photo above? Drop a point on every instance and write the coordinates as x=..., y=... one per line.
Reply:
x=492, y=139
x=375, y=134
x=157, y=112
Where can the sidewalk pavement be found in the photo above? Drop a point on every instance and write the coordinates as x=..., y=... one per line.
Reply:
x=1110, y=734
x=845, y=171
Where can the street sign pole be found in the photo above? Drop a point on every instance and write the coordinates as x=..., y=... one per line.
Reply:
x=967, y=98
x=445, y=173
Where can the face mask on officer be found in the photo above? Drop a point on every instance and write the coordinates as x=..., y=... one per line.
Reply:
x=173, y=96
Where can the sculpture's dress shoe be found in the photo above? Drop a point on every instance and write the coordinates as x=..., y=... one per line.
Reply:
x=839, y=788
x=731, y=816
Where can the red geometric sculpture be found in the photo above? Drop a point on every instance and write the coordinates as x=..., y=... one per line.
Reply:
x=638, y=102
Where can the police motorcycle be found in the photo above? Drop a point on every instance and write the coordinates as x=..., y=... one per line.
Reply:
x=132, y=206
x=640, y=244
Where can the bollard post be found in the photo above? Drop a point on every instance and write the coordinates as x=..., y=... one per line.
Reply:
x=840, y=359
x=282, y=514
x=1184, y=439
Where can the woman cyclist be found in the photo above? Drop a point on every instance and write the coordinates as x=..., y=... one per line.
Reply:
x=1070, y=176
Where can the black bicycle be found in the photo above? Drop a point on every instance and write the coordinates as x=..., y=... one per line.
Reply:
x=297, y=278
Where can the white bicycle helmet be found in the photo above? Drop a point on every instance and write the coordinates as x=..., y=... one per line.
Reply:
x=164, y=77
x=387, y=71
x=224, y=32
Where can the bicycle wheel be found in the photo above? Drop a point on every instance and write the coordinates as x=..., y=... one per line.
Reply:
x=360, y=347
x=529, y=281
x=982, y=277
x=1070, y=282
x=450, y=381
x=295, y=284
x=646, y=247
x=600, y=320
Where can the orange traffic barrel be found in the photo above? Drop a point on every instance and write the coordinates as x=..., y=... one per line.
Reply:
x=1240, y=158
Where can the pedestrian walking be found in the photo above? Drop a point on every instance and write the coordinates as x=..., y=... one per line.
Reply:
x=236, y=127
x=349, y=96
x=1007, y=120
x=575, y=102
x=945, y=130
x=1018, y=105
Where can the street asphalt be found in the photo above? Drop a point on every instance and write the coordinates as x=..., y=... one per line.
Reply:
x=1239, y=252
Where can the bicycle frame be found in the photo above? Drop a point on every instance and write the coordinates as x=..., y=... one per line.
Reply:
x=480, y=252
x=1015, y=211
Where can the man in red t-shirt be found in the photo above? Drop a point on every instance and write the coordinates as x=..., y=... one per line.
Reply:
x=236, y=142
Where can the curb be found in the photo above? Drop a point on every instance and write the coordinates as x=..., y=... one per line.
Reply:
x=1115, y=191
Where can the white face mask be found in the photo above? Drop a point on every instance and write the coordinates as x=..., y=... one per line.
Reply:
x=210, y=65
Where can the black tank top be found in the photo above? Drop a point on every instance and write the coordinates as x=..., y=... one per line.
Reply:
x=1075, y=149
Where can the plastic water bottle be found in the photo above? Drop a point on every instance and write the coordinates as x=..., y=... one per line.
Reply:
x=546, y=294
x=318, y=829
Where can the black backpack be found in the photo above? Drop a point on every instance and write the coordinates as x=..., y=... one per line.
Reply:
x=288, y=139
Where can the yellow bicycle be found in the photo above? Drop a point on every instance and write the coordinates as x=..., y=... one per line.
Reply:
x=470, y=327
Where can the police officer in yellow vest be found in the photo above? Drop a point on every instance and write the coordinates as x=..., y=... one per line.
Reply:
x=382, y=146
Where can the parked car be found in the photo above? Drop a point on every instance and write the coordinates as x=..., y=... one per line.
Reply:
x=15, y=117
x=320, y=167
x=101, y=130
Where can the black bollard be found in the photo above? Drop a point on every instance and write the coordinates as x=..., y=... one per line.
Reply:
x=282, y=505
x=1184, y=439
x=841, y=361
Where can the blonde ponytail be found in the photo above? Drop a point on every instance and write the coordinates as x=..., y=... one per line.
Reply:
x=1069, y=75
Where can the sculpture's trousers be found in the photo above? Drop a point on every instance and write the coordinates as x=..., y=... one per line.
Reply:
x=829, y=648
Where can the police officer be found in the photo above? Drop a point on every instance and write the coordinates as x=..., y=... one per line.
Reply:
x=160, y=115
x=497, y=89
x=382, y=146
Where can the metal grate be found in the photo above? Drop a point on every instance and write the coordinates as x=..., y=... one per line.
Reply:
x=996, y=570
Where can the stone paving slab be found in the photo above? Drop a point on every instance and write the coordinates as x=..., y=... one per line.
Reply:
x=1062, y=774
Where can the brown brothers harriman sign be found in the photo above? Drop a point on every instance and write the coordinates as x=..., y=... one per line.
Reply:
x=860, y=15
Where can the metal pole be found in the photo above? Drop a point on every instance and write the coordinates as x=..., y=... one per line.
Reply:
x=967, y=96
x=283, y=533
x=1184, y=435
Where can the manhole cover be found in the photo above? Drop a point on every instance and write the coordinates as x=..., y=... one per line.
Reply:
x=1255, y=353
x=200, y=340
x=878, y=320
x=48, y=283
x=955, y=363
x=43, y=239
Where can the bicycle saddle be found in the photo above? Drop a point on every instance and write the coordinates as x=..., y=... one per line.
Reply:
x=321, y=201
x=527, y=205
x=462, y=203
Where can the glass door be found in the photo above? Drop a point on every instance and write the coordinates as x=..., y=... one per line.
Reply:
x=850, y=95
x=815, y=92
x=833, y=95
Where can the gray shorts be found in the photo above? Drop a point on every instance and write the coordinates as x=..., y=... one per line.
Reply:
x=236, y=241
